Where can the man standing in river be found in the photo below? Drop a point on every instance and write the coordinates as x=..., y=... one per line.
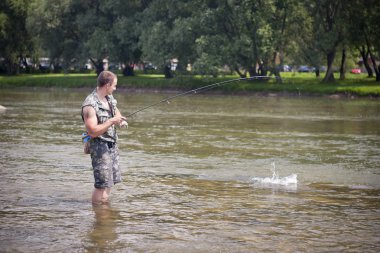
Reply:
x=100, y=115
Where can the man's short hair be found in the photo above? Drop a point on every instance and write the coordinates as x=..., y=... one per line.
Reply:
x=106, y=77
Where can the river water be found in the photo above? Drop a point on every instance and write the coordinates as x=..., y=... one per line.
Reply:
x=205, y=173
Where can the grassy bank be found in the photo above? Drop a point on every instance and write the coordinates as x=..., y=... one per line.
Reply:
x=293, y=83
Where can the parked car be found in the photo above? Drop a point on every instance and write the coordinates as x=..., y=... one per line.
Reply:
x=356, y=71
x=304, y=69
x=149, y=66
x=285, y=68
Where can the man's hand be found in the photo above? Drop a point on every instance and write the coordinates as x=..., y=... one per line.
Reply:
x=118, y=120
x=124, y=123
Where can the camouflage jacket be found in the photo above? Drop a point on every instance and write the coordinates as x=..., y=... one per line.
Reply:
x=103, y=114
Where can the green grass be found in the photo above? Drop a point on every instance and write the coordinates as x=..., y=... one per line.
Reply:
x=48, y=80
x=293, y=83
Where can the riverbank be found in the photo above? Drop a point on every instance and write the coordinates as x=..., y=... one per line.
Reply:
x=292, y=84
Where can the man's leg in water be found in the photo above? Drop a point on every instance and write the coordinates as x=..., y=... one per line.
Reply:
x=105, y=163
x=100, y=195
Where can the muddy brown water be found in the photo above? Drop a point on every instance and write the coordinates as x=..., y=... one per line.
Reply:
x=205, y=173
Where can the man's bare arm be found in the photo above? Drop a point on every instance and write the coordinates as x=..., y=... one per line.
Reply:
x=91, y=122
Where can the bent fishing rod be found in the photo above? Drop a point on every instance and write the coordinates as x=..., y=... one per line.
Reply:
x=203, y=88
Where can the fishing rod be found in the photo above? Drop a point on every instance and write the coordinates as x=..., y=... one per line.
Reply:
x=203, y=88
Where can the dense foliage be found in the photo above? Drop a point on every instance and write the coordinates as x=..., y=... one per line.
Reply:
x=242, y=36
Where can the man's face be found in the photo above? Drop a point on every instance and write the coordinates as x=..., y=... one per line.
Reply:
x=111, y=87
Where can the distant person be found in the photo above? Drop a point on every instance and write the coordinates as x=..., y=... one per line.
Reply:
x=100, y=115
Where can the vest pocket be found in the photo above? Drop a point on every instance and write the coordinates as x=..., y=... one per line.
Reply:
x=103, y=116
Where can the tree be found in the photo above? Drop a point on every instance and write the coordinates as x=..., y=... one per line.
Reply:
x=168, y=32
x=126, y=33
x=235, y=33
x=364, y=33
x=50, y=22
x=371, y=33
x=74, y=31
x=328, y=23
x=219, y=33
x=92, y=29
x=15, y=42
x=249, y=36
x=306, y=44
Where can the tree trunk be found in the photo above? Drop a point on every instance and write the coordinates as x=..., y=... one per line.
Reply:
x=56, y=67
x=276, y=67
x=364, y=55
x=167, y=71
x=342, y=69
x=375, y=67
x=128, y=70
x=263, y=69
x=252, y=71
x=329, y=77
x=242, y=75
x=24, y=62
x=317, y=72
x=99, y=66
x=11, y=67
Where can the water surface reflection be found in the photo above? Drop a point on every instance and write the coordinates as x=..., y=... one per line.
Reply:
x=103, y=235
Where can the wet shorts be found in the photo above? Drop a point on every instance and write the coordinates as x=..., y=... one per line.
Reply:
x=105, y=163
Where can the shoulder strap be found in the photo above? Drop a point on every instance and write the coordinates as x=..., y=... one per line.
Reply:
x=111, y=108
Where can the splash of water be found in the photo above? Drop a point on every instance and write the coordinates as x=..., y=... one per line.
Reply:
x=290, y=180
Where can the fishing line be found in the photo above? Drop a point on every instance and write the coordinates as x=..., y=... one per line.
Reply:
x=194, y=91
